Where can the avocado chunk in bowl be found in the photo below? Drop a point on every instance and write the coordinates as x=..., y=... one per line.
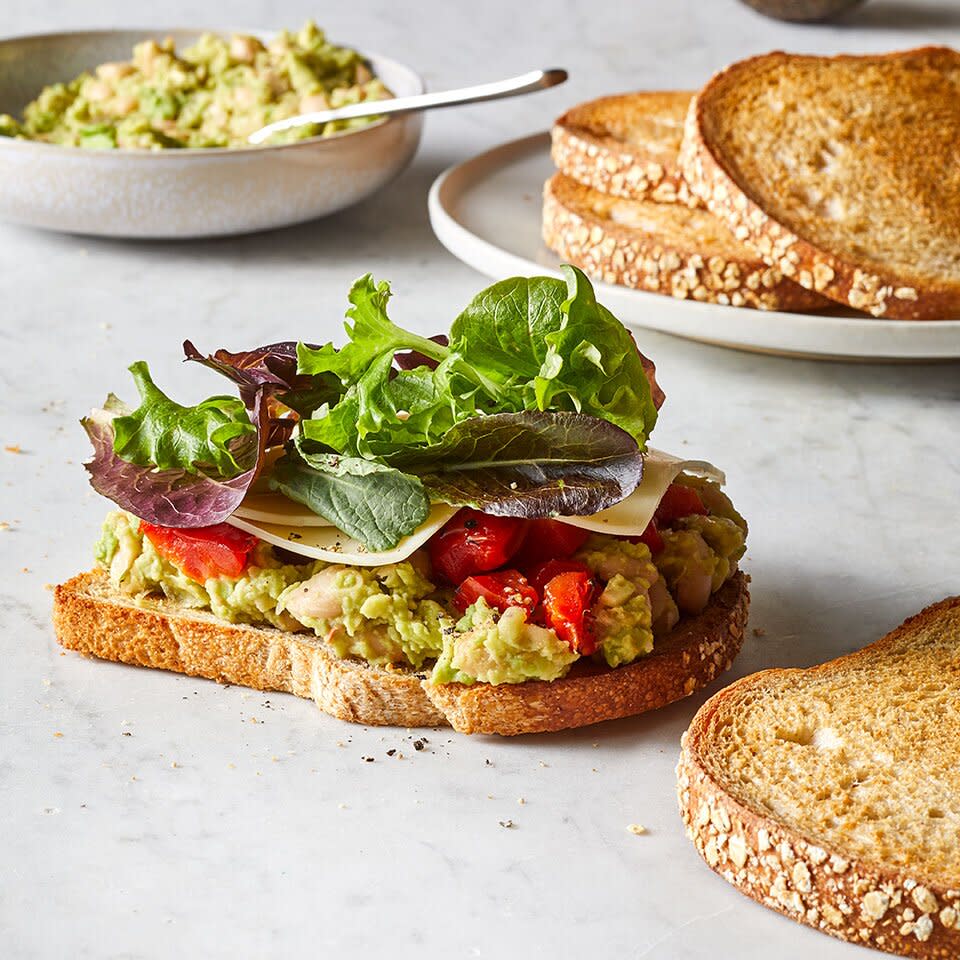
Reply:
x=213, y=93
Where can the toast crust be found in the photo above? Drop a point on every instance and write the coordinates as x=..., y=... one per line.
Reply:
x=93, y=619
x=626, y=145
x=662, y=248
x=855, y=281
x=911, y=910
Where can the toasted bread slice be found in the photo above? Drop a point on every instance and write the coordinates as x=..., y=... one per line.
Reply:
x=626, y=145
x=663, y=248
x=842, y=171
x=833, y=794
x=91, y=617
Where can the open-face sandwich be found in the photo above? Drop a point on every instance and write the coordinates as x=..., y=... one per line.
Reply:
x=467, y=530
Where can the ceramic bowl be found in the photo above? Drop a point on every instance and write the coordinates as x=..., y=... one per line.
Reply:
x=190, y=192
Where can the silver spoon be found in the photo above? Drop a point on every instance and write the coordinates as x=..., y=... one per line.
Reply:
x=525, y=83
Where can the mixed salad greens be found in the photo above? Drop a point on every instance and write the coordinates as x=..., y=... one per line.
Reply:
x=537, y=403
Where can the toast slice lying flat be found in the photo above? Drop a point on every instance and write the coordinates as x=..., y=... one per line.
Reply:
x=833, y=794
x=92, y=618
x=842, y=171
x=662, y=247
x=626, y=145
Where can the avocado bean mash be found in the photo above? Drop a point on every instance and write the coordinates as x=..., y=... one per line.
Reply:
x=135, y=568
x=212, y=94
x=380, y=614
x=500, y=650
x=395, y=615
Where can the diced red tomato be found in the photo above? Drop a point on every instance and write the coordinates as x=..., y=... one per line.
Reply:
x=542, y=573
x=203, y=552
x=474, y=542
x=566, y=607
x=506, y=588
x=678, y=501
x=651, y=537
x=549, y=540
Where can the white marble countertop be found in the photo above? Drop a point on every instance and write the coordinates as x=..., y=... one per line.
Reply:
x=151, y=815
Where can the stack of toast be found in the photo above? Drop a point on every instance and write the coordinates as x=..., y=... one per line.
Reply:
x=787, y=183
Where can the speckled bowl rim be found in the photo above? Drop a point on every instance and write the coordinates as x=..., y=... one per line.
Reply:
x=8, y=143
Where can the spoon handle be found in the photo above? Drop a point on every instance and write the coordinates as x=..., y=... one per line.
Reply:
x=525, y=83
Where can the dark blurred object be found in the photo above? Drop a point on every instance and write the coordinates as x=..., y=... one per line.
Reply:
x=802, y=10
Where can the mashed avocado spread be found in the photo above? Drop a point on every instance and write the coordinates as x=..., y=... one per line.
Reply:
x=395, y=615
x=135, y=568
x=500, y=650
x=212, y=94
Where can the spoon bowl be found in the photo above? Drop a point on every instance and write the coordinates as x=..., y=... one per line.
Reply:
x=183, y=193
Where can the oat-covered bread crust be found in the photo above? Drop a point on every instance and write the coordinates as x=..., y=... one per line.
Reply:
x=832, y=794
x=626, y=145
x=843, y=172
x=671, y=249
x=92, y=618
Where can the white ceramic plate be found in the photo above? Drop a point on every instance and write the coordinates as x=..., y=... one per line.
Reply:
x=182, y=193
x=486, y=211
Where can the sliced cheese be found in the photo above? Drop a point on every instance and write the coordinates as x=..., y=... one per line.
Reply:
x=629, y=517
x=319, y=542
x=285, y=523
x=275, y=508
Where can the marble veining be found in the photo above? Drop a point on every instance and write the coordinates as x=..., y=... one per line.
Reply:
x=149, y=815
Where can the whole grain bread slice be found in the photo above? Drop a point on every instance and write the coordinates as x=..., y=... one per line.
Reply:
x=626, y=145
x=664, y=248
x=91, y=617
x=832, y=794
x=844, y=172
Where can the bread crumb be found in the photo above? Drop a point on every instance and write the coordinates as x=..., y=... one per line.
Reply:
x=57, y=734
x=521, y=800
x=231, y=766
x=46, y=681
x=542, y=764
x=48, y=587
x=13, y=448
x=341, y=806
x=759, y=632
x=174, y=764
x=4, y=525
x=637, y=829
x=508, y=824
